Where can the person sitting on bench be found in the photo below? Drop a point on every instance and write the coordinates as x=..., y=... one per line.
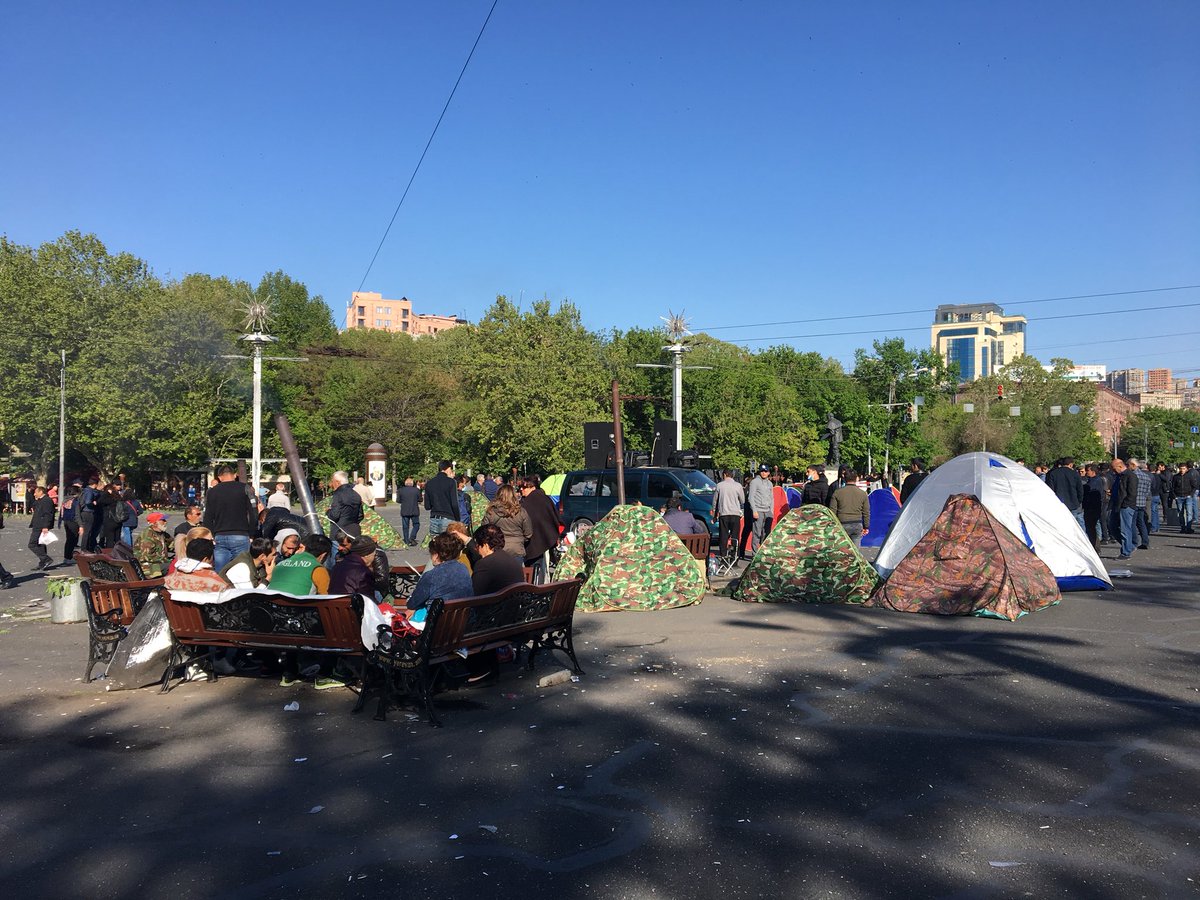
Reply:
x=446, y=578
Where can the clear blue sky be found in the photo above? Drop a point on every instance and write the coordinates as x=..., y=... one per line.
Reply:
x=746, y=162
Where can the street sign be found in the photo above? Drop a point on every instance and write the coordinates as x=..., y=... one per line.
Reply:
x=1196, y=429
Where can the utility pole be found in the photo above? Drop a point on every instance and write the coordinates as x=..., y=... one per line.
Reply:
x=677, y=329
x=62, y=434
x=618, y=442
x=257, y=313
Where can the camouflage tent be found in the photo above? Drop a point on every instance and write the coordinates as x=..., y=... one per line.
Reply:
x=969, y=564
x=807, y=557
x=479, y=504
x=373, y=525
x=632, y=560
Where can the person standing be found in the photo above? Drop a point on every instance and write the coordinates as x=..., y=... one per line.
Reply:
x=345, y=506
x=1067, y=487
x=40, y=524
x=506, y=513
x=916, y=474
x=230, y=515
x=1125, y=489
x=87, y=513
x=762, y=506
x=1181, y=490
x=365, y=492
x=72, y=527
x=728, y=500
x=849, y=503
x=1094, y=490
x=410, y=511
x=816, y=487
x=1144, y=490
x=280, y=498
x=132, y=515
x=441, y=498
x=543, y=516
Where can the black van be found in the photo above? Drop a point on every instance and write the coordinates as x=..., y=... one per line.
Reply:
x=588, y=494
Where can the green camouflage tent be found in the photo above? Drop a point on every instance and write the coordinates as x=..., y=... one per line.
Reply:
x=479, y=504
x=632, y=560
x=807, y=557
x=373, y=525
x=969, y=564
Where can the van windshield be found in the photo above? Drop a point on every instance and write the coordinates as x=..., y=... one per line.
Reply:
x=697, y=482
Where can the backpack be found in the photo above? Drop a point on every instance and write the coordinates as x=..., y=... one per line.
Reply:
x=116, y=513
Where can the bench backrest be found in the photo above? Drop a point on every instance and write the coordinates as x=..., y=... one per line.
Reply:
x=114, y=585
x=697, y=544
x=269, y=620
x=494, y=619
x=402, y=580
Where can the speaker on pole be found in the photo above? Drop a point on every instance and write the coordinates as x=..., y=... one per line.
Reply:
x=597, y=445
x=663, y=442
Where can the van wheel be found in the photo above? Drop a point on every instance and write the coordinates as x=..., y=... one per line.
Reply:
x=581, y=527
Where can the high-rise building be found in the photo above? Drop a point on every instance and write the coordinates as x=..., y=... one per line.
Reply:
x=978, y=337
x=369, y=309
x=1159, y=380
x=1127, y=381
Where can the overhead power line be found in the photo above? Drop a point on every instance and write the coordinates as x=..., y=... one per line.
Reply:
x=925, y=309
x=432, y=135
x=878, y=331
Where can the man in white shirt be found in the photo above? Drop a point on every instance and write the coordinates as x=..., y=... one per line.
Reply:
x=280, y=497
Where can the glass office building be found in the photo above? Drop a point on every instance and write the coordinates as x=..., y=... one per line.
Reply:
x=977, y=338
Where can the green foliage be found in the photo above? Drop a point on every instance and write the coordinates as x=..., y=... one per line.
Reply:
x=1150, y=433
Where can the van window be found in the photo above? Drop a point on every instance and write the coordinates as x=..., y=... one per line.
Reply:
x=608, y=485
x=659, y=489
x=583, y=486
x=633, y=487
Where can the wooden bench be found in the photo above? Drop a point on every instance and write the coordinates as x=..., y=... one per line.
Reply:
x=263, y=621
x=115, y=591
x=537, y=615
x=402, y=580
x=697, y=545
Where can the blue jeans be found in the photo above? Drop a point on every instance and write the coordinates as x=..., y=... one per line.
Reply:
x=411, y=526
x=127, y=534
x=1184, y=506
x=1155, y=514
x=437, y=524
x=227, y=547
x=1078, y=514
x=1129, y=519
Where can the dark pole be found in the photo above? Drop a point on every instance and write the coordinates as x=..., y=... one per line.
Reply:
x=618, y=443
x=299, y=478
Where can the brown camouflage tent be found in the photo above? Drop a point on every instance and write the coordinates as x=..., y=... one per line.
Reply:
x=807, y=558
x=632, y=559
x=969, y=564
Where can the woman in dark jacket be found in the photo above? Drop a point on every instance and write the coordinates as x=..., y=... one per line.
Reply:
x=547, y=527
x=110, y=526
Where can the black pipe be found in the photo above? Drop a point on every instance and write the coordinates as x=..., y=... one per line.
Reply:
x=299, y=479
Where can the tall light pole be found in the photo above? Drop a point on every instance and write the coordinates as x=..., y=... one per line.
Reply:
x=677, y=329
x=62, y=433
x=257, y=312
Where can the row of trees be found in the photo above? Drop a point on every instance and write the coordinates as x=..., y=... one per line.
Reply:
x=151, y=384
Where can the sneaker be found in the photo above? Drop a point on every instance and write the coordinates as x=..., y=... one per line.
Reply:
x=328, y=684
x=288, y=680
x=1123, y=556
x=195, y=672
x=222, y=666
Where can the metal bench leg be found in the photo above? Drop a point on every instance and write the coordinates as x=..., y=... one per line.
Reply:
x=427, y=683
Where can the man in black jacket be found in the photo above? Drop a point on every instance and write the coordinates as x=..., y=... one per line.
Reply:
x=230, y=516
x=816, y=487
x=1067, y=487
x=916, y=474
x=1125, y=501
x=410, y=511
x=345, y=506
x=40, y=524
x=441, y=498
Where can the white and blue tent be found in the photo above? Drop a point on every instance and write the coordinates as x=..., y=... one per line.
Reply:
x=1016, y=498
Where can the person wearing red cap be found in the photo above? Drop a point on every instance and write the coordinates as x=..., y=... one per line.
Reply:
x=154, y=546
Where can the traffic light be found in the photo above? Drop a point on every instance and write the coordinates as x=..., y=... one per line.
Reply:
x=999, y=392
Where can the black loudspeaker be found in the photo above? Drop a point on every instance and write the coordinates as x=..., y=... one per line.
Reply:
x=597, y=445
x=662, y=442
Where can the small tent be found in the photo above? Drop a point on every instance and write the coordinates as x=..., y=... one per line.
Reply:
x=807, y=557
x=373, y=525
x=631, y=559
x=1017, y=499
x=968, y=563
x=884, y=509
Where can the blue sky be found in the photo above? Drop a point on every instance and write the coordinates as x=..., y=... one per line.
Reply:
x=745, y=162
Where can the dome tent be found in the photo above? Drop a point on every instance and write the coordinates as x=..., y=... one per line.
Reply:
x=807, y=558
x=631, y=559
x=1018, y=500
x=967, y=564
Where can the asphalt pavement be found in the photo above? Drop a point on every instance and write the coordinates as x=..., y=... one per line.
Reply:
x=723, y=750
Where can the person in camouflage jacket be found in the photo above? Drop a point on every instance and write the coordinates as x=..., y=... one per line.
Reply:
x=154, y=547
